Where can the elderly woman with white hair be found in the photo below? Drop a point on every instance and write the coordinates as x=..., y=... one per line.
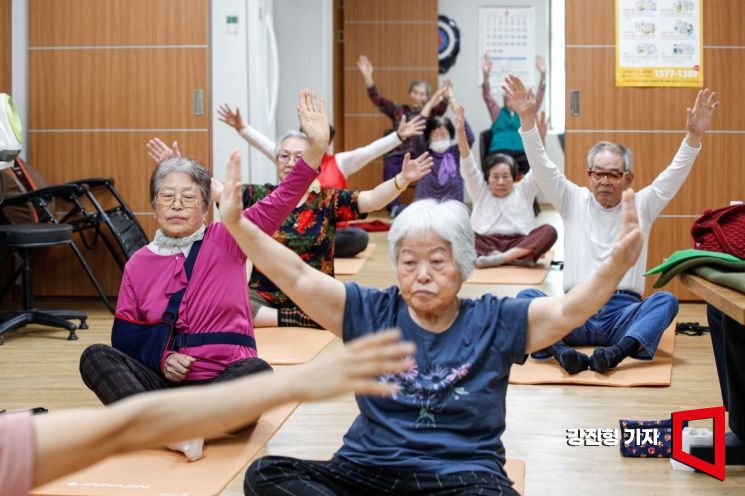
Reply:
x=183, y=313
x=442, y=431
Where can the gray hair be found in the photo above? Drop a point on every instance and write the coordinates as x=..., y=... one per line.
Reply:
x=289, y=134
x=196, y=171
x=449, y=220
x=615, y=149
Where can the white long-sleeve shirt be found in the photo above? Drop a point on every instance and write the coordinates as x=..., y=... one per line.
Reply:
x=590, y=230
x=348, y=162
x=512, y=214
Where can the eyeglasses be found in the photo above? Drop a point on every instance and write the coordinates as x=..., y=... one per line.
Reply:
x=610, y=176
x=188, y=200
x=286, y=158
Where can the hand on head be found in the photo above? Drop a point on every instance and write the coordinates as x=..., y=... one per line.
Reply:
x=311, y=112
x=230, y=117
x=357, y=367
x=159, y=151
x=415, y=169
x=231, y=201
x=414, y=127
x=629, y=242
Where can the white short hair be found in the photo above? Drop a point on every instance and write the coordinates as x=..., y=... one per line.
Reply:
x=289, y=134
x=449, y=220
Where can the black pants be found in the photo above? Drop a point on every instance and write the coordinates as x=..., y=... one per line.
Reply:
x=278, y=475
x=350, y=241
x=728, y=340
x=114, y=375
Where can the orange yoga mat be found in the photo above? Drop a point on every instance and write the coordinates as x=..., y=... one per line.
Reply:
x=512, y=274
x=290, y=345
x=516, y=471
x=351, y=266
x=159, y=471
x=630, y=372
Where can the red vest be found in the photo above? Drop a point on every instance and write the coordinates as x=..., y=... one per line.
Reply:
x=331, y=176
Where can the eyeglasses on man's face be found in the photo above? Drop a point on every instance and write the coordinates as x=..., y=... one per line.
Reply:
x=613, y=176
x=168, y=198
x=286, y=158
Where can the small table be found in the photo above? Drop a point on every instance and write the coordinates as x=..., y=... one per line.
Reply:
x=727, y=300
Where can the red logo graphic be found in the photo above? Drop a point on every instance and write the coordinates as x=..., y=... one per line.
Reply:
x=716, y=413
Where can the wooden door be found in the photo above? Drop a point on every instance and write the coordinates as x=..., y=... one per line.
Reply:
x=104, y=77
x=652, y=120
x=400, y=39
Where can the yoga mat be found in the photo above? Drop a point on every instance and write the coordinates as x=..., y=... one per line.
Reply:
x=630, y=372
x=290, y=345
x=512, y=274
x=516, y=471
x=351, y=266
x=159, y=471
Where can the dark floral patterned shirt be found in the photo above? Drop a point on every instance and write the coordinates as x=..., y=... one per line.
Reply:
x=309, y=231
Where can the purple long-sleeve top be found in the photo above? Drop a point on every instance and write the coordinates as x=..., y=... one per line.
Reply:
x=445, y=181
x=216, y=298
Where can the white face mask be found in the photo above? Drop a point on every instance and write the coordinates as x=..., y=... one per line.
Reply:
x=439, y=146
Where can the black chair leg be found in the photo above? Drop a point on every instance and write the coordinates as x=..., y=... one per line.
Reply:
x=70, y=314
x=93, y=279
x=10, y=321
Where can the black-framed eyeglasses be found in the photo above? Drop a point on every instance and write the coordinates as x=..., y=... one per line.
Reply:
x=188, y=200
x=610, y=176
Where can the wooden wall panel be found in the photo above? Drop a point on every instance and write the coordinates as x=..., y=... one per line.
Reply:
x=119, y=155
x=104, y=77
x=390, y=10
x=379, y=30
x=118, y=22
x=105, y=89
x=712, y=182
x=723, y=22
x=647, y=108
x=5, y=47
x=383, y=45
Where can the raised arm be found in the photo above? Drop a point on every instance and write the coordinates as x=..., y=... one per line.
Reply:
x=671, y=179
x=270, y=212
x=67, y=441
x=491, y=104
x=473, y=178
x=551, y=318
x=388, y=107
x=540, y=92
x=411, y=170
x=254, y=137
x=557, y=188
x=434, y=101
x=354, y=160
x=324, y=303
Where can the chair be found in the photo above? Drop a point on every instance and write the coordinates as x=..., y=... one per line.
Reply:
x=122, y=237
x=24, y=239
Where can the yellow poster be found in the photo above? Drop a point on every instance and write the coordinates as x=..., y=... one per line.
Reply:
x=659, y=43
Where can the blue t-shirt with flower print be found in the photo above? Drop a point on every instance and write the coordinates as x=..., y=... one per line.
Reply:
x=449, y=414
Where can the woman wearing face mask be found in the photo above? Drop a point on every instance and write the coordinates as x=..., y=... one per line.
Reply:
x=420, y=102
x=445, y=182
x=502, y=217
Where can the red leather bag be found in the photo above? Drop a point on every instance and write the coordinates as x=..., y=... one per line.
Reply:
x=721, y=230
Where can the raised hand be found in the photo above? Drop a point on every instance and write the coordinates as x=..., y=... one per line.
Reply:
x=486, y=67
x=629, y=242
x=231, y=201
x=540, y=64
x=523, y=100
x=434, y=100
x=460, y=118
x=314, y=123
x=415, y=169
x=414, y=127
x=366, y=69
x=230, y=117
x=159, y=151
x=542, y=125
x=699, y=117
x=356, y=367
